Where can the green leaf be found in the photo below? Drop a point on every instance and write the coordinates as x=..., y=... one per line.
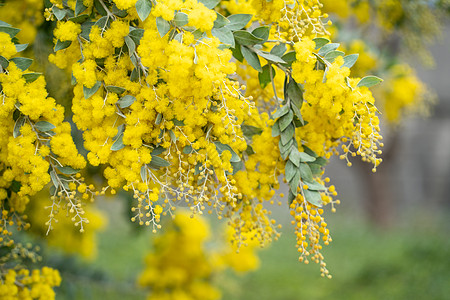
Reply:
x=159, y=162
x=158, y=119
x=249, y=150
x=249, y=131
x=222, y=147
x=220, y=21
x=143, y=8
x=88, y=92
x=79, y=7
x=313, y=197
x=9, y=30
x=44, y=126
x=19, y=123
x=209, y=3
x=137, y=34
x=100, y=9
x=30, y=77
x=126, y=101
x=281, y=111
x=103, y=22
x=177, y=122
x=270, y=57
x=59, y=13
x=278, y=50
x=172, y=136
x=304, y=157
x=67, y=170
x=293, y=184
x=4, y=62
x=287, y=134
x=163, y=26
x=187, y=149
x=79, y=19
x=369, y=81
x=54, y=178
x=22, y=62
x=264, y=76
x=262, y=32
x=238, y=21
x=289, y=170
x=285, y=149
x=276, y=130
x=120, y=130
x=119, y=12
x=86, y=30
x=294, y=156
x=224, y=35
x=286, y=120
x=327, y=48
x=237, y=52
x=350, y=60
x=305, y=172
x=251, y=58
x=144, y=173
x=246, y=38
x=315, y=186
x=158, y=150
x=4, y=24
x=62, y=45
x=130, y=45
x=291, y=197
x=321, y=161
x=289, y=57
x=118, y=144
x=320, y=42
x=115, y=89
x=295, y=94
x=21, y=47
x=181, y=19
x=331, y=56
x=237, y=166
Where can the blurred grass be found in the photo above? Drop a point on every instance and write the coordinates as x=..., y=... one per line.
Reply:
x=408, y=261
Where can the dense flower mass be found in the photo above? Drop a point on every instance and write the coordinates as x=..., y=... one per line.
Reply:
x=212, y=106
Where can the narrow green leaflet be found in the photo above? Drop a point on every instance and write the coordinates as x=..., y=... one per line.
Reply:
x=290, y=170
x=163, y=26
x=246, y=38
x=54, y=178
x=304, y=157
x=270, y=57
x=262, y=32
x=79, y=7
x=143, y=8
x=30, y=77
x=369, y=81
x=222, y=147
x=62, y=45
x=327, y=48
x=59, y=13
x=181, y=19
x=224, y=35
x=44, y=126
x=293, y=184
x=136, y=35
x=19, y=123
x=250, y=131
x=305, y=172
x=126, y=101
x=294, y=156
x=118, y=144
x=313, y=197
x=278, y=50
x=4, y=62
x=144, y=173
x=331, y=56
x=21, y=47
x=287, y=134
x=9, y=30
x=315, y=186
x=67, y=170
x=251, y=58
x=275, y=130
x=115, y=89
x=264, y=76
x=209, y=3
x=295, y=94
x=350, y=60
x=220, y=21
x=289, y=57
x=286, y=120
x=320, y=42
x=187, y=149
x=88, y=92
x=238, y=21
x=281, y=111
x=158, y=162
x=79, y=19
x=22, y=62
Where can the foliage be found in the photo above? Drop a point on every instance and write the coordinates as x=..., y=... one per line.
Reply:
x=191, y=103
